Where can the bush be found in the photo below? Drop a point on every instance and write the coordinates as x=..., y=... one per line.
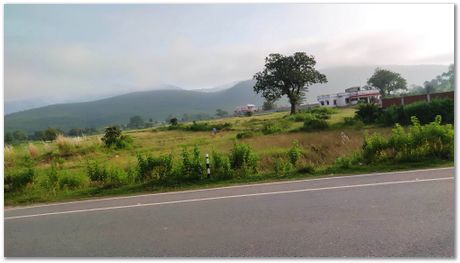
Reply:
x=283, y=168
x=321, y=113
x=243, y=158
x=424, y=111
x=50, y=181
x=116, y=177
x=192, y=166
x=271, y=128
x=97, y=174
x=353, y=121
x=72, y=181
x=308, y=169
x=113, y=137
x=17, y=180
x=302, y=116
x=245, y=134
x=102, y=176
x=220, y=166
x=158, y=168
x=323, y=110
x=368, y=112
x=433, y=140
x=204, y=126
x=315, y=124
x=294, y=153
x=347, y=162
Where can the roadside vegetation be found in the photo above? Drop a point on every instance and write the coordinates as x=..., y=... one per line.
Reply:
x=275, y=146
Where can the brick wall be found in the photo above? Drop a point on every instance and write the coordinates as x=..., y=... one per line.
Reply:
x=411, y=99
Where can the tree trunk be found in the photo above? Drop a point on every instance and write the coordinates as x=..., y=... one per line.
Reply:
x=293, y=109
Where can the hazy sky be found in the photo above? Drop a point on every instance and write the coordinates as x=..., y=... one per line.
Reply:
x=65, y=51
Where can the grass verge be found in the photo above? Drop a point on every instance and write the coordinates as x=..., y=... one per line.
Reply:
x=89, y=193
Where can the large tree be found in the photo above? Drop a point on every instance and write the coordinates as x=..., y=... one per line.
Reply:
x=287, y=75
x=387, y=81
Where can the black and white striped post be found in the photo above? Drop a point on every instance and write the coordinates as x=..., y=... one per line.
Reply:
x=208, y=170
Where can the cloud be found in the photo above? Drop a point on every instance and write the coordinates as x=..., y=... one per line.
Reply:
x=134, y=50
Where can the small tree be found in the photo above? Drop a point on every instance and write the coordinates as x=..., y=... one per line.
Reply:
x=387, y=82
x=136, y=122
x=221, y=113
x=287, y=75
x=173, y=121
x=113, y=137
x=52, y=133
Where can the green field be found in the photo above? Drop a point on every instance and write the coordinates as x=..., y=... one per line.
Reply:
x=70, y=156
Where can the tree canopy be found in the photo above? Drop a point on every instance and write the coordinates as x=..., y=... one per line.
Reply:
x=136, y=122
x=287, y=75
x=387, y=82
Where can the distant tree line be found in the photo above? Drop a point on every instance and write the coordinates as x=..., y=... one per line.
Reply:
x=49, y=134
x=442, y=83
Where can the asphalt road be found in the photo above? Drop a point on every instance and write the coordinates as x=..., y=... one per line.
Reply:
x=401, y=214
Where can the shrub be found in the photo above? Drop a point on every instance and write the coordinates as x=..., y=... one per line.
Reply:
x=353, y=121
x=393, y=114
x=50, y=181
x=323, y=110
x=368, y=112
x=192, y=166
x=245, y=134
x=302, y=116
x=424, y=111
x=158, y=168
x=347, y=162
x=72, y=181
x=294, y=153
x=96, y=173
x=113, y=137
x=308, y=169
x=115, y=177
x=429, y=141
x=220, y=166
x=283, y=168
x=204, y=126
x=243, y=158
x=18, y=179
x=315, y=124
x=373, y=147
x=271, y=128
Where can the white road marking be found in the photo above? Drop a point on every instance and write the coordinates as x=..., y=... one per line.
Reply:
x=229, y=196
x=228, y=187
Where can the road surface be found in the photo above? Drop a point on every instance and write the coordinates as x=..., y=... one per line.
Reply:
x=399, y=214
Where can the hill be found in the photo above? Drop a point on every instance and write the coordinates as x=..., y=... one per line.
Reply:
x=159, y=104
x=156, y=104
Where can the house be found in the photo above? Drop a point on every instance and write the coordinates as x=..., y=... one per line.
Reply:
x=241, y=110
x=351, y=96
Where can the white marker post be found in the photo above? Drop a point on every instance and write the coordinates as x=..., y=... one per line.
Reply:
x=208, y=170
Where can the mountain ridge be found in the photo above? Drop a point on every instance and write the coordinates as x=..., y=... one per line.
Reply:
x=159, y=104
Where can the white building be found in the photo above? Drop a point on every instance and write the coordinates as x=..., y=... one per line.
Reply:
x=351, y=96
x=240, y=110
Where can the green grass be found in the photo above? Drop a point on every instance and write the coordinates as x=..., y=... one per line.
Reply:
x=319, y=150
x=84, y=194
